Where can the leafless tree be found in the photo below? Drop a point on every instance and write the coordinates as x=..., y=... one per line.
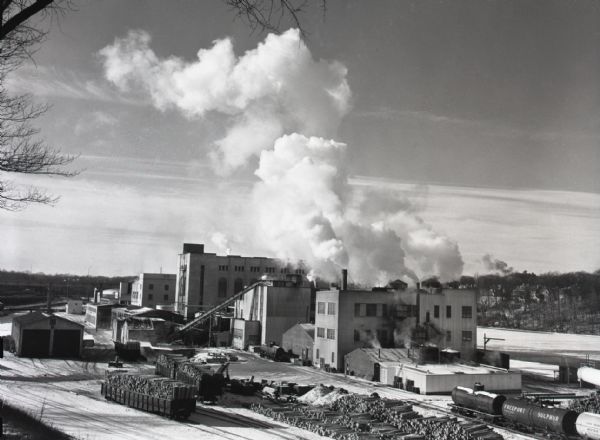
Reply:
x=21, y=31
x=268, y=15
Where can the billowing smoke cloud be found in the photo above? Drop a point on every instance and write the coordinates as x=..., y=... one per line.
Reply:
x=274, y=89
x=493, y=264
x=284, y=107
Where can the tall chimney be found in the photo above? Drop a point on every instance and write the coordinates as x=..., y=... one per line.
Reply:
x=344, y=279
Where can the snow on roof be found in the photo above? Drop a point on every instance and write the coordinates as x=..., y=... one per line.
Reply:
x=385, y=354
x=40, y=316
x=456, y=369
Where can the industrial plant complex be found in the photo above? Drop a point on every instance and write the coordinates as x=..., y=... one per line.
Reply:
x=206, y=331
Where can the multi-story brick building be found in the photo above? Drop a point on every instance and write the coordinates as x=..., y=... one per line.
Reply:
x=207, y=279
x=348, y=319
x=152, y=289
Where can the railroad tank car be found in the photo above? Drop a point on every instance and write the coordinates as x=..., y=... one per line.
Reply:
x=587, y=426
x=482, y=401
x=559, y=421
x=589, y=375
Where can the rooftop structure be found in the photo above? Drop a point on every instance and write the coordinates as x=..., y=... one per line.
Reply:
x=205, y=280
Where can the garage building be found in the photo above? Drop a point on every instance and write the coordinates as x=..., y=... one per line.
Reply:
x=40, y=334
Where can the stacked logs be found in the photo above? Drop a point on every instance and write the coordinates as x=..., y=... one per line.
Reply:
x=355, y=417
x=151, y=385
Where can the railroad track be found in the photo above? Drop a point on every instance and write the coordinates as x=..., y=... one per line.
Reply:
x=537, y=436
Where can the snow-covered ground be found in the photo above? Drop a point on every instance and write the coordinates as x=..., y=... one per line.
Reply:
x=541, y=342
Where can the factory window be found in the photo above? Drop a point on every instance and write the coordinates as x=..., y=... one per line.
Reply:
x=331, y=308
x=238, y=285
x=356, y=336
x=448, y=311
x=467, y=312
x=150, y=296
x=332, y=357
x=330, y=333
x=299, y=271
x=436, y=311
x=448, y=335
x=166, y=287
x=427, y=316
x=467, y=336
x=320, y=333
x=224, y=267
x=222, y=288
x=384, y=310
x=238, y=268
x=371, y=309
x=321, y=308
x=255, y=269
x=166, y=297
x=284, y=270
x=356, y=309
x=151, y=286
x=270, y=269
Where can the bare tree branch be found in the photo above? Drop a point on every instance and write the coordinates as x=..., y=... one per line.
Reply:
x=20, y=150
x=267, y=15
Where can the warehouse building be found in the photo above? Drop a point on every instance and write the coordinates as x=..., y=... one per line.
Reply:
x=443, y=378
x=268, y=308
x=98, y=316
x=206, y=279
x=348, y=319
x=40, y=334
x=300, y=340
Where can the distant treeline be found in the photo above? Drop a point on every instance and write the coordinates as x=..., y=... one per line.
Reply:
x=578, y=283
x=16, y=287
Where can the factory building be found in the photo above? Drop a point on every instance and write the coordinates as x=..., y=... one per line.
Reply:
x=205, y=280
x=384, y=318
x=152, y=289
x=268, y=308
x=300, y=340
x=41, y=335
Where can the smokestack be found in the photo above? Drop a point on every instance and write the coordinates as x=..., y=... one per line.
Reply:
x=418, y=285
x=344, y=279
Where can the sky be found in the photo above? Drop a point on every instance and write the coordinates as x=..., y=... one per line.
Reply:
x=400, y=139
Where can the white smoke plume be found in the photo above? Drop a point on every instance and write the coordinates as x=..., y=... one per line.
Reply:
x=285, y=107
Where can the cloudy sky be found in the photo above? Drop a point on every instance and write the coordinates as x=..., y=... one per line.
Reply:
x=400, y=139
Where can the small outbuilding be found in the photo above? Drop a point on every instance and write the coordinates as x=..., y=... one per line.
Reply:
x=98, y=316
x=39, y=335
x=367, y=362
x=300, y=339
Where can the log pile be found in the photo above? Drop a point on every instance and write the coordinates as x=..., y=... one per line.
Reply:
x=355, y=417
x=151, y=385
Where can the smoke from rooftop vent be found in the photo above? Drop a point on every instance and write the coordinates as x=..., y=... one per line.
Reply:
x=281, y=106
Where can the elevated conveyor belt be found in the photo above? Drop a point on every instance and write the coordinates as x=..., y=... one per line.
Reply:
x=208, y=314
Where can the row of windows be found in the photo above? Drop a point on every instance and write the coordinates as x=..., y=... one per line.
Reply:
x=370, y=309
x=151, y=286
x=467, y=311
x=256, y=269
x=322, y=331
x=321, y=308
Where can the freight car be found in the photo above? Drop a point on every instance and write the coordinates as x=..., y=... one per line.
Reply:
x=480, y=403
x=209, y=383
x=177, y=401
x=525, y=415
x=275, y=353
